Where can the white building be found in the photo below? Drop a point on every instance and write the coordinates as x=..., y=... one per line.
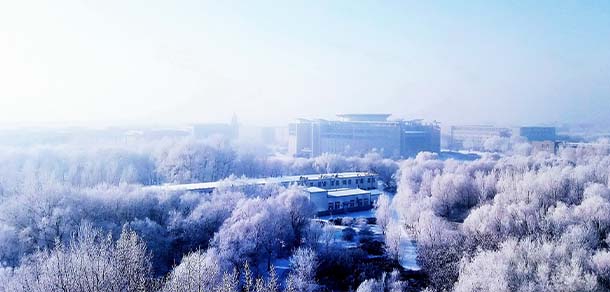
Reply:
x=342, y=200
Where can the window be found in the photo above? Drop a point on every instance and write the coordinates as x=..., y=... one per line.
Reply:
x=349, y=181
x=332, y=182
x=344, y=182
x=373, y=179
x=359, y=202
x=361, y=180
x=345, y=205
x=311, y=184
x=319, y=184
x=337, y=205
x=366, y=202
x=324, y=183
x=368, y=179
x=351, y=203
x=330, y=206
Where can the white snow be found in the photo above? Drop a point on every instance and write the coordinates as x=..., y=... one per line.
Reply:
x=408, y=255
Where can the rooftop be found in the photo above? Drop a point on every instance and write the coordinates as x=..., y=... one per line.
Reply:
x=208, y=186
x=347, y=192
x=316, y=190
x=364, y=117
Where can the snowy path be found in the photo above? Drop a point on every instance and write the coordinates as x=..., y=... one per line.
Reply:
x=408, y=253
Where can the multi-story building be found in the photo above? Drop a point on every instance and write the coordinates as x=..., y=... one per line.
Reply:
x=299, y=138
x=474, y=137
x=358, y=134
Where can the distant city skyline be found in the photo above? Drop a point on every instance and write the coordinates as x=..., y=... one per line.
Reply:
x=158, y=62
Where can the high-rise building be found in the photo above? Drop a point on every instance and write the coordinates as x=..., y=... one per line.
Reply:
x=358, y=134
x=299, y=138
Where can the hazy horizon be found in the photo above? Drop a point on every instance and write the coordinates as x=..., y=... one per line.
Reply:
x=154, y=62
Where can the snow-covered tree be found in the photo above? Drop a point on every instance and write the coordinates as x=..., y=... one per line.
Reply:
x=90, y=262
x=198, y=271
x=383, y=213
x=302, y=276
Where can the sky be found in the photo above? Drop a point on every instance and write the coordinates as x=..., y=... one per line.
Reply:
x=269, y=62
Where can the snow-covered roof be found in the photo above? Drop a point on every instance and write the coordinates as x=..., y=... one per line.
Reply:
x=315, y=190
x=376, y=192
x=347, y=192
x=209, y=186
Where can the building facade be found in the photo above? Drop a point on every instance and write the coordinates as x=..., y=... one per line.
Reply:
x=358, y=134
x=299, y=138
x=474, y=137
x=538, y=134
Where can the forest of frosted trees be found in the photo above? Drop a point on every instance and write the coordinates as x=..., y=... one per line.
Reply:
x=83, y=220
x=517, y=223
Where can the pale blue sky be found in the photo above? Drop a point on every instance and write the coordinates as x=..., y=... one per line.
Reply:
x=148, y=61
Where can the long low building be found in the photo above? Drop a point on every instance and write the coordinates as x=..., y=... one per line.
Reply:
x=330, y=193
x=348, y=180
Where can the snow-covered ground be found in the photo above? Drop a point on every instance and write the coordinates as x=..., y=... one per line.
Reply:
x=282, y=267
x=338, y=236
x=408, y=247
x=408, y=254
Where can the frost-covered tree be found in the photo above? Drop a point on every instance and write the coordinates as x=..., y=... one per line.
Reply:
x=258, y=230
x=90, y=262
x=393, y=239
x=467, y=215
x=198, y=271
x=528, y=265
x=299, y=210
x=387, y=283
x=383, y=213
x=303, y=264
